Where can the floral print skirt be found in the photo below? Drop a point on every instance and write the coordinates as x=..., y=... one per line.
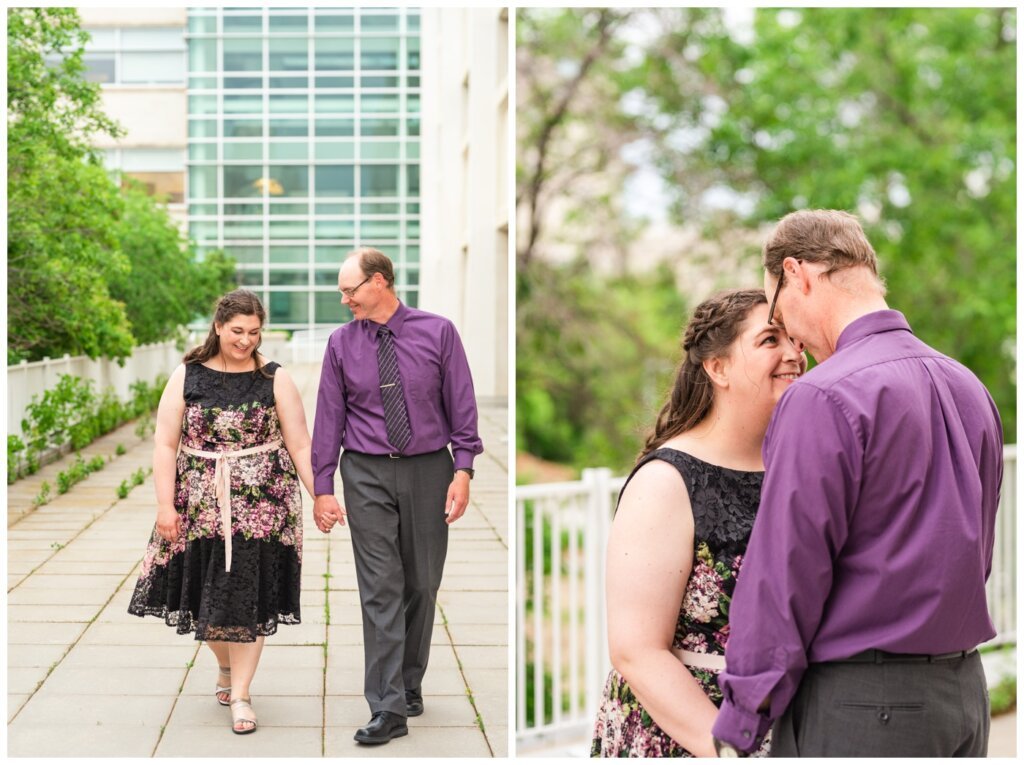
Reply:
x=624, y=729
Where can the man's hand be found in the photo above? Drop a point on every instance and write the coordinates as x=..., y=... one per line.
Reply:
x=327, y=512
x=458, y=497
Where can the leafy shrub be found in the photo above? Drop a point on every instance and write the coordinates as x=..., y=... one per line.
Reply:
x=120, y=450
x=123, y=489
x=15, y=446
x=63, y=482
x=43, y=496
x=96, y=463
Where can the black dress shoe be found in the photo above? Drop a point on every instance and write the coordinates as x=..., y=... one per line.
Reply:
x=383, y=727
x=413, y=704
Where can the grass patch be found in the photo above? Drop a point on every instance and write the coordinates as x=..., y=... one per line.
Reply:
x=1003, y=696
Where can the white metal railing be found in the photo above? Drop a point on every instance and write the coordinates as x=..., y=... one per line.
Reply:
x=561, y=636
x=33, y=378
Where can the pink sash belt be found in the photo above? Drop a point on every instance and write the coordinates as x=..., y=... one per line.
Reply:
x=700, y=660
x=222, y=482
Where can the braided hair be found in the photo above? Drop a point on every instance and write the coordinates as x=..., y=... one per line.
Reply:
x=715, y=324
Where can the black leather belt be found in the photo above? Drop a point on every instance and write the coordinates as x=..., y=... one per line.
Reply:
x=874, y=656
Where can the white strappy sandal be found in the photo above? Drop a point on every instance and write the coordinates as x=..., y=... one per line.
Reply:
x=237, y=717
x=223, y=689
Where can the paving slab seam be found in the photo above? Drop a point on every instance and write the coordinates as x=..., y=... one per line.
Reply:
x=72, y=646
x=174, y=704
x=327, y=632
x=491, y=526
x=462, y=673
x=67, y=544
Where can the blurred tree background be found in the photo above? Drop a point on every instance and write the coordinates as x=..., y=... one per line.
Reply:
x=91, y=268
x=636, y=127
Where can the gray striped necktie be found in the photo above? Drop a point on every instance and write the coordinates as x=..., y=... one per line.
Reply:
x=396, y=416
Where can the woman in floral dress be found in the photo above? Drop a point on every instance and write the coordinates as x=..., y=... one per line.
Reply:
x=681, y=528
x=230, y=436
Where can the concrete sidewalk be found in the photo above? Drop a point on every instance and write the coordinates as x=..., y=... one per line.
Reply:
x=87, y=679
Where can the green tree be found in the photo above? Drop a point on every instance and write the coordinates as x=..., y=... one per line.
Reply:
x=165, y=287
x=905, y=116
x=62, y=208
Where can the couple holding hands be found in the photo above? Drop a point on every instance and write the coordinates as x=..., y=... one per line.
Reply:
x=232, y=445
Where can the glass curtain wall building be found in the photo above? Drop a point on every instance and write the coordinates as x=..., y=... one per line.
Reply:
x=303, y=143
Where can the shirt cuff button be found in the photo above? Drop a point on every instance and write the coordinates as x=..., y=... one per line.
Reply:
x=746, y=734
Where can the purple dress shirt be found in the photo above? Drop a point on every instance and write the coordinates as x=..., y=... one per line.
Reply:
x=882, y=473
x=436, y=380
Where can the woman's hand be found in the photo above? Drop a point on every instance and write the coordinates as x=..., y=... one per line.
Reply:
x=168, y=523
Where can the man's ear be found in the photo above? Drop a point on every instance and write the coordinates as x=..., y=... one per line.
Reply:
x=715, y=368
x=799, y=276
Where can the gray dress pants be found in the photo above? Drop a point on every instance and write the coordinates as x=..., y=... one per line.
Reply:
x=898, y=709
x=400, y=539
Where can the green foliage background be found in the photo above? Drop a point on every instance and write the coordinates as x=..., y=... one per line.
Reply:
x=904, y=116
x=90, y=270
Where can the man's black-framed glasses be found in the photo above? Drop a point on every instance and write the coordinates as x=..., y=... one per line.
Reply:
x=350, y=292
x=775, y=298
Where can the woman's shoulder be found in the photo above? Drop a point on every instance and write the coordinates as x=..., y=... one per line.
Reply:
x=656, y=480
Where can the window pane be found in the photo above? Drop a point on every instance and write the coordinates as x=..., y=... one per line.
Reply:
x=243, y=55
x=412, y=104
x=202, y=182
x=335, y=127
x=249, y=277
x=380, y=229
x=380, y=208
x=334, y=23
x=299, y=150
x=335, y=208
x=412, y=229
x=289, y=23
x=325, y=277
x=329, y=310
x=289, y=104
x=197, y=210
x=244, y=208
x=289, y=278
x=203, y=229
x=277, y=207
x=243, y=151
x=202, y=83
x=412, y=126
x=243, y=229
x=290, y=83
x=335, y=181
x=288, y=54
x=234, y=128
x=336, y=150
x=291, y=128
x=244, y=254
x=412, y=149
x=243, y=23
x=379, y=102
x=289, y=180
x=203, y=25
x=243, y=82
x=379, y=180
x=289, y=229
x=413, y=57
x=411, y=298
x=412, y=22
x=379, y=53
x=379, y=23
x=99, y=67
x=381, y=149
x=335, y=82
x=288, y=307
x=335, y=229
x=247, y=104
x=335, y=54
x=340, y=103
x=152, y=38
x=412, y=174
x=377, y=126
x=202, y=55
x=202, y=152
x=380, y=81
x=243, y=180
x=202, y=104
x=289, y=254
x=332, y=255
x=412, y=254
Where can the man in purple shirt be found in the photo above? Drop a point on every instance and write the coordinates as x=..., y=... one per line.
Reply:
x=861, y=600
x=395, y=391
